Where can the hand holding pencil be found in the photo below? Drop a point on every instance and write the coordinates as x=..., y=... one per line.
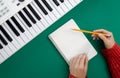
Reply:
x=108, y=40
x=104, y=35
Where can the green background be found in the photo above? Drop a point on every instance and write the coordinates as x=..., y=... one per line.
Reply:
x=40, y=59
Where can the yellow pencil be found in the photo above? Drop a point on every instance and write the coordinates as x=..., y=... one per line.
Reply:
x=89, y=32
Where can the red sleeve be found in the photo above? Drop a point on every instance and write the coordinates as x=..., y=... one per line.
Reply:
x=71, y=76
x=112, y=56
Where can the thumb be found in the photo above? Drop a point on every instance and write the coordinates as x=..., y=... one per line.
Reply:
x=86, y=63
x=102, y=37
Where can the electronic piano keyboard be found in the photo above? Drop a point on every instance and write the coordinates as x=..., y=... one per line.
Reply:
x=23, y=20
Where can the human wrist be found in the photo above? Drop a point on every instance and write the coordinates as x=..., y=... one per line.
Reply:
x=110, y=45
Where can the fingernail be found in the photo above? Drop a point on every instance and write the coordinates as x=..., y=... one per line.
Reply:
x=84, y=55
x=93, y=38
x=92, y=35
x=108, y=35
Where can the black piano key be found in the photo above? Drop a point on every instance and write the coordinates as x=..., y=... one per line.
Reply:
x=56, y=2
x=29, y=15
x=41, y=7
x=47, y=5
x=61, y=1
x=17, y=24
x=5, y=33
x=12, y=28
x=34, y=12
x=1, y=46
x=21, y=0
x=25, y=19
x=3, y=40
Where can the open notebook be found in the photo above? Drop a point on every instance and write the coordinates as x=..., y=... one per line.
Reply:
x=71, y=43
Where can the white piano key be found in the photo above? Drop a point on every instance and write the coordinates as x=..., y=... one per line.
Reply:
x=9, y=45
x=46, y=16
x=44, y=19
x=1, y=58
x=18, y=38
x=50, y=14
x=55, y=7
x=22, y=35
x=7, y=51
x=78, y=1
x=42, y=24
x=55, y=12
x=63, y=7
x=53, y=17
x=14, y=42
x=3, y=54
x=27, y=32
x=58, y=8
x=12, y=47
x=72, y=2
x=33, y=25
x=21, y=21
x=30, y=28
x=69, y=6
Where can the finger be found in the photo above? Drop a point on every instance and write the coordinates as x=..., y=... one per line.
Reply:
x=95, y=36
x=102, y=37
x=71, y=61
x=79, y=57
x=109, y=34
x=101, y=31
x=86, y=63
x=74, y=60
x=82, y=60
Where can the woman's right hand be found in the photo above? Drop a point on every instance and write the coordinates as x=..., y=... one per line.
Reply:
x=108, y=40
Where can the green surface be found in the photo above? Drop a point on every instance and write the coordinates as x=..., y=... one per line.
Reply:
x=40, y=59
